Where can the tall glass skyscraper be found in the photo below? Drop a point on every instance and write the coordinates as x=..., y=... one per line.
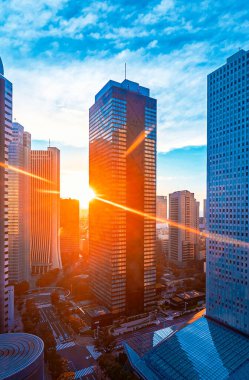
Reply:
x=122, y=170
x=5, y=137
x=19, y=205
x=45, y=210
x=228, y=192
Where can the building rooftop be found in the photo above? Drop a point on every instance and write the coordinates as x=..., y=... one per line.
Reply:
x=126, y=85
x=18, y=351
x=144, y=342
x=97, y=311
x=202, y=350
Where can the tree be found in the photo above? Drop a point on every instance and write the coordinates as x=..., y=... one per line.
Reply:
x=55, y=298
x=76, y=323
x=21, y=288
x=57, y=364
x=67, y=376
x=113, y=369
x=105, y=342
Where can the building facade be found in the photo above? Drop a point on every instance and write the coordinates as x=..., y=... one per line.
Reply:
x=5, y=137
x=45, y=210
x=123, y=171
x=228, y=193
x=19, y=205
x=184, y=210
x=161, y=207
x=69, y=230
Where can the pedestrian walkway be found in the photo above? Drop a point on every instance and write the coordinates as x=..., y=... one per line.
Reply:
x=61, y=346
x=83, y=372
x=95, y=354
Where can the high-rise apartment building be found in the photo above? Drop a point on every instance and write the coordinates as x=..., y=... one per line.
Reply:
x=5, y=137
x=19, y=205
x=45, y=210
x=161, y=207
x=69, y=230
x=123, y=171
x=228, y=193
x=184, y=210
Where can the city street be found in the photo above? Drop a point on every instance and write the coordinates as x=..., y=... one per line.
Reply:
x=60, y=330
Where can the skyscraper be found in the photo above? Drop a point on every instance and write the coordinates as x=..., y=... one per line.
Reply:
x=123, y=170
x=228, y=192
x=45, y=210
x=5, y=137
x=19, y=205
x=69, y=230
x=183, y=244
x=161, y=207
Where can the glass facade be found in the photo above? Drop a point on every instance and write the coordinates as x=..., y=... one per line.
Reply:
x=45, y=210
x=202, y=350
x=19, y=206
x=122, y=245
x=5, y=137
x=228, y=192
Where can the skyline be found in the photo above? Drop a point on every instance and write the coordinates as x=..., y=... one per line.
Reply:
x=159, y=57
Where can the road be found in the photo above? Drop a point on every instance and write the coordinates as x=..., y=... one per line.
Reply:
x=60, y=330
x=178, y=322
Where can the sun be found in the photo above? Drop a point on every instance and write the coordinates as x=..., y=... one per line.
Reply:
x=85, y=196
x=90, y=194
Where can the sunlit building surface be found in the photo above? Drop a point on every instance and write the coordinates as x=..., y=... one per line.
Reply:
x=183, y=244
x=5, y=137
x=19, y=205
x=45, y=210
x=21, y=357
x=228, y=192
x=161, y=206
x=69, y=230
x=123, y=170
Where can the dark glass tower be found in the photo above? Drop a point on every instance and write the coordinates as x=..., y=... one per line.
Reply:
x=5, y=136
x=122, y=170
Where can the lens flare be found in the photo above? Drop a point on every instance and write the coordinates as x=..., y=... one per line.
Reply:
x=206, y=234
x=140, y=138
x=15, y=169
x=91, y=194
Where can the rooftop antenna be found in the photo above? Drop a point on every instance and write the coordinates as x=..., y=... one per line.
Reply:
x=49, y=143
x=125, y=70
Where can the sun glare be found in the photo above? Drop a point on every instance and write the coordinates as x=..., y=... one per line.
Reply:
x=90, y=194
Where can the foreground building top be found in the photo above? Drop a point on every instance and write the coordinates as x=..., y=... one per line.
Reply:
x=21, y=357
x=201, y=350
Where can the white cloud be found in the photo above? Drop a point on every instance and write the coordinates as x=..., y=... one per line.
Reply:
x=53, y=101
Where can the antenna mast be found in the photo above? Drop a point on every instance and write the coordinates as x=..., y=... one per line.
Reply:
x=125, y=70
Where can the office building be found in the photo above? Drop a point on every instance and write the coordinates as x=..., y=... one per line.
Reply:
x=5, y=137
x=217, y=346
x=123, y=170
x=19, y=205
x=21, y=357
x=228, y=193
x=69, y=230
x=183, y=210
x=45, y=210
x=161, y=207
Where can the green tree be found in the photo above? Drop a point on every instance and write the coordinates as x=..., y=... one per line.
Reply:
x=105, y=342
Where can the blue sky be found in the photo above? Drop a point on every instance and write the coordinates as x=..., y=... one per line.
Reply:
x=59, y=53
